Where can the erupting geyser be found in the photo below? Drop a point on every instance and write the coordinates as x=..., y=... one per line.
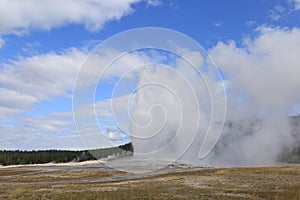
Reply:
x=170, y=97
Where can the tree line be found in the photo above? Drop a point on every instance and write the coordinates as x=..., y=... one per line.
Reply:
x=17, y=157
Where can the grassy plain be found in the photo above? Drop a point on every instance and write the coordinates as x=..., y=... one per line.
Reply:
x=282, y=182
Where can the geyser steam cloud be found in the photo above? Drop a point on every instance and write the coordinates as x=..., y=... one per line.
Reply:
x=266, y=70
x=175, y=105
x=173, y=110
x=263, y=88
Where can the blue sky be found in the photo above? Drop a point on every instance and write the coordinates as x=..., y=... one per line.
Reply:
x=205, y=21
x=42, y=45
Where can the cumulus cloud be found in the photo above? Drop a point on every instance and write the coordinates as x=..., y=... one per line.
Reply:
x=34, y=79
x=27, y=81
x=21, y=16
x=57, y=130
x=43, y=77
x=13, y=102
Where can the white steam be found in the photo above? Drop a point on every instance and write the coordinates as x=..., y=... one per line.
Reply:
x=267, y=72
x=263, y=86
x=173, y=109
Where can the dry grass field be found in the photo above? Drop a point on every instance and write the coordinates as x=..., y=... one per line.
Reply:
x=281, y=182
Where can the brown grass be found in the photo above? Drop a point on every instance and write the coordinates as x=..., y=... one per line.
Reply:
x=225, y=183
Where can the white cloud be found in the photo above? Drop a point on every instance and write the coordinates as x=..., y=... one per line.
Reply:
x=39, y=78
x=279, y=8
x=272, y=57
x=12, y=102
x=250, y=23
x=17, y=100
x=113, y=135
x=43, y=76
x=48, y=132
x=218, y=24
x=154, y=2
x=2, y=42
x=296, y=4
x=21, y=16
x=277, y=12
x=106, y=108
x=34, y=79
x=57, y=130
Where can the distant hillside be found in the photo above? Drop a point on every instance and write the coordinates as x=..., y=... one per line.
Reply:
x=60, y=156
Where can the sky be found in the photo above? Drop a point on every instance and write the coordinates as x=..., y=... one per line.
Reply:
x=44, y=43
